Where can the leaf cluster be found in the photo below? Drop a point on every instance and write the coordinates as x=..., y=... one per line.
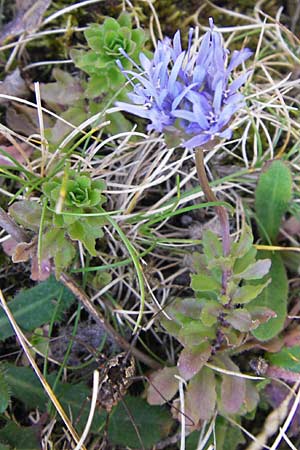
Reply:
x=105, y=42
x=71, y=212
x=212, y=323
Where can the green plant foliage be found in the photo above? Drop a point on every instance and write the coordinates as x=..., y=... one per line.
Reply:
x=272, y=197
x=214, y=320
x=5, y=392
x=82, y=198
x=274, y=297
x=26, y=387
x=4, y=447
x=36, y=306
x=105, y=42
x=19, y=438
x=287, y=358
x=227, y=437
x=153, y=422
x=80, y=216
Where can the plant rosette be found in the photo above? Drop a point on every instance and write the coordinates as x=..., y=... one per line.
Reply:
x=82, y=215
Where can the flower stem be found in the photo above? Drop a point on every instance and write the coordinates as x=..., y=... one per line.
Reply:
x=221, y=210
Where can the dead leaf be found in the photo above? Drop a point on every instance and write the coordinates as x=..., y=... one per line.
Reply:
x=13, y=84
x=64, y=91
x=28, y=17
x=24, y=251
x=24, y=120
x=20, y=153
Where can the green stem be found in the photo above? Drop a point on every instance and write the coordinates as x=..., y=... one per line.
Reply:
x=221, y=210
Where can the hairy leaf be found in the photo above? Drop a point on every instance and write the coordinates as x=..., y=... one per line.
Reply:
x=274, y=297
x=153, y=423
x=272, y=197
x=36, y=306
x=202, y=283
x=288, y=358
x=249, y=292
x=19, y=438
x=256, y=270
x=4, y=389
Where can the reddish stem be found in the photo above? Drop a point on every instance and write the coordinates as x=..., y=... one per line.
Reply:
x=221, y=210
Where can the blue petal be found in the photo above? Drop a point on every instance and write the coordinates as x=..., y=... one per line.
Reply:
x=177, y=45
x=183, y=114
x=226, y=134
x=218, y=97
x=200, y=116
x=204, y=49
x=132, y=109
x=175, y=70
x=145, y=62
x=238, y=57
x=236, y=84
x=179, y=97
x=197, y=141
x=227, y=113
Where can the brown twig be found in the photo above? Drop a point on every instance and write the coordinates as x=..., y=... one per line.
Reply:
x=221, y=210
x=69, y=282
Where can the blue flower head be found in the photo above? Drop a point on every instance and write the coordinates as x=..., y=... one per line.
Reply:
x=188, y=92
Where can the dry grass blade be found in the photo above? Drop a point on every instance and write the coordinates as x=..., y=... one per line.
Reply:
x=275, y=419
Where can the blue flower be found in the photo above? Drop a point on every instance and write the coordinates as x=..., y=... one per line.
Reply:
x=188, y=92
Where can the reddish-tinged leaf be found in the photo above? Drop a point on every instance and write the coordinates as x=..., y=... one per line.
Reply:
x=200, y=397
x=192, y=360
x=262, y=314
x=241, y=320
x=163, y=386
x=20, y=153
x=42, y=272
x=13, y=84
x=256, y=270
x=252, y=396
x=233, y=389
x=9, y=246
